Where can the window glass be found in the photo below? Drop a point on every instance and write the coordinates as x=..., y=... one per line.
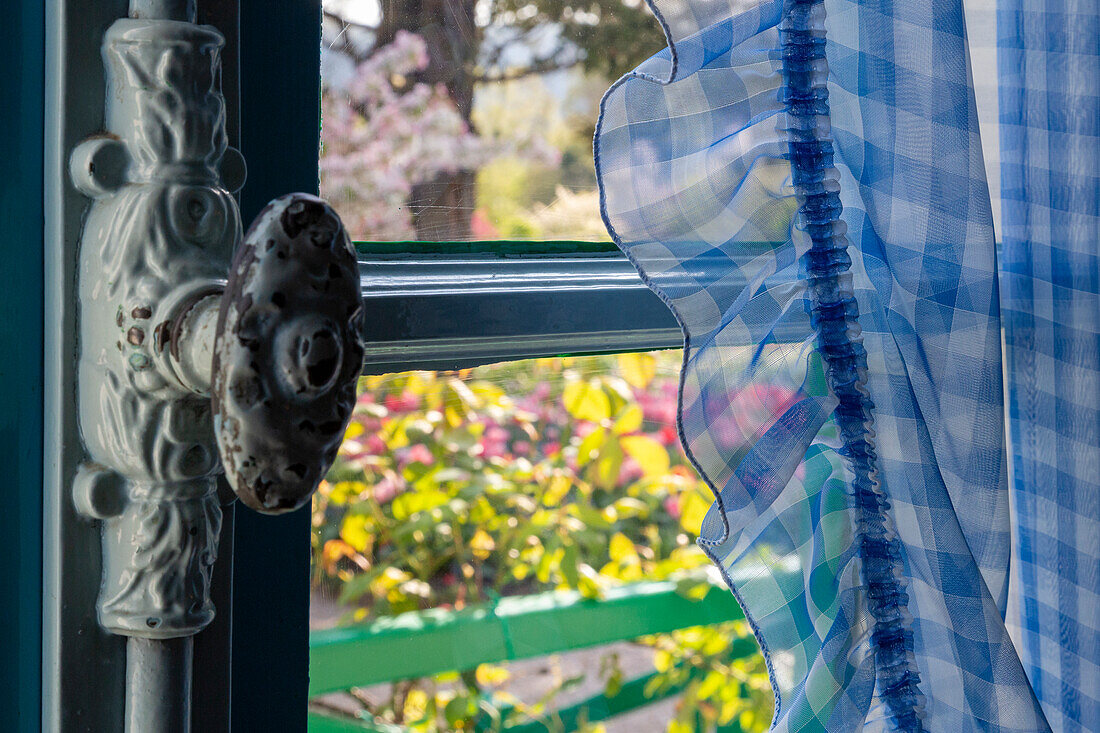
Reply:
x=471, y=119
x=455, y=490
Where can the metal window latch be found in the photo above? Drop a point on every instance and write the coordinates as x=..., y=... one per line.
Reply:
x=188, y=365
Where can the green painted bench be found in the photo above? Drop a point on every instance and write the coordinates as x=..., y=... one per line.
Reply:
x=431, y=642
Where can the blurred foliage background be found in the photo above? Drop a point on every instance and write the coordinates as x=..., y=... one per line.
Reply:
x=451, y=120
x=516, y=478
x=448, y=120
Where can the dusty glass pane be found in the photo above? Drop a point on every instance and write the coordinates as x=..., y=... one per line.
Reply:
x=450, y=120
x=456, y=489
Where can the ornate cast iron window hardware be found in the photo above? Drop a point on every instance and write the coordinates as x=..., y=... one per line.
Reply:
x=187, y=365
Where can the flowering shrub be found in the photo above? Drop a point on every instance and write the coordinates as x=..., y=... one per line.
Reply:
x=455, y=488
x=383, y=133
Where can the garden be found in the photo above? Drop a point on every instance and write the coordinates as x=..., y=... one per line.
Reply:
x=455, y=489
x=458, y=491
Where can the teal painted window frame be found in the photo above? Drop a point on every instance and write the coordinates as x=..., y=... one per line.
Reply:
x=22, y=57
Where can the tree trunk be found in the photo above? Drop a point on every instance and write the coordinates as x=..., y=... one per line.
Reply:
x=441, y=208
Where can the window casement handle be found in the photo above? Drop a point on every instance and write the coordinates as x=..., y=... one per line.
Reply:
x=190, y=365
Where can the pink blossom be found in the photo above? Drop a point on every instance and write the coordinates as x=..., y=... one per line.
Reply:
x=629, y=472
x=672, y=506
x=737, y=417
x=418, y=453
x=481, y=227
x=584, y=429
x=385, y=490
x=382, y=133
x=375, y=445
x=404, y=402
x=493, y=443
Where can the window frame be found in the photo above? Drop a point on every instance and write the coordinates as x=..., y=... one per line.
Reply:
x=22, y=50
x=429, y=306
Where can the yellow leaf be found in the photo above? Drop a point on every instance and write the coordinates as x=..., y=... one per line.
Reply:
x=353, y=530
x=482, y=544
x=693, y=508
x=629, y=420
x=587, y=582
x=590, y=445
x=416, y=703
x=638, y=369
x=621, y=548
x=491, y=675
x=556, y=491
x=344, y=492
x=712, y=683
x=608, y=465
x=650, y=455
x=392, y=577
x=586, y=401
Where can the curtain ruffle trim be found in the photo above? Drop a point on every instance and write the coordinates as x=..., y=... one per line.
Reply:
x=834, y=316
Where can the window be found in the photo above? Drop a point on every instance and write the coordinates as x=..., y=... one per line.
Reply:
x=490, y=486
x=471, y=120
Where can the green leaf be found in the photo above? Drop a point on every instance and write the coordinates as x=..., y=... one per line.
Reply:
x=589, y=515
x=459, y=710
x=693, y=588
x=568, y=566
x=608, y=465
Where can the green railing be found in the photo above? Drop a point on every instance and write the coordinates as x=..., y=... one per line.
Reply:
x=431, y=642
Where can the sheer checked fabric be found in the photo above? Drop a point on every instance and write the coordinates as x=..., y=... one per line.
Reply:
x=802, y=182
x=1049, y=61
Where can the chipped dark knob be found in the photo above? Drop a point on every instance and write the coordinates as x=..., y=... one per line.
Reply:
x=309, y=355
x=287, y=353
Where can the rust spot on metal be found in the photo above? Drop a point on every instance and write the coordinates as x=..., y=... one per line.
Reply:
x=160, y=336
x=135, y=336
x=141, y=312
x=120, y=318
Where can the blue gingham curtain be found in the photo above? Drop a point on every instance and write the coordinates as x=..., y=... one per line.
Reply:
x=803, y=182
x=1048, y=58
